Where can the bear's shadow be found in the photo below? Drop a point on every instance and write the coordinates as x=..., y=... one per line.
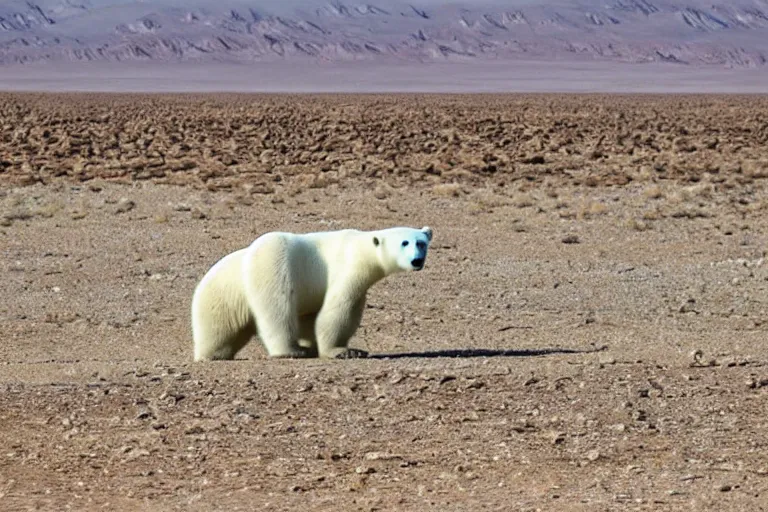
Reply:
x=481, y=352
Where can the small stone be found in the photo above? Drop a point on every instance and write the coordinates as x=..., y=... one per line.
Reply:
x=593, y=455
x=557, y=437
x=135, y=454
x=381, y=456
x=571, y=239
x=124, y=205
x=696, y=358
x=381, y=193
x=145, y=415
x=725, y=488
x=605, y=360
x=535, y=159
x=688, y=306
x=447, y=378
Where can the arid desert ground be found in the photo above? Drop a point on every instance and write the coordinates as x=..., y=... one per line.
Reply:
x=589, y=333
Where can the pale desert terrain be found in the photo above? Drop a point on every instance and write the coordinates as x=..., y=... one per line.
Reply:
x=589, y=332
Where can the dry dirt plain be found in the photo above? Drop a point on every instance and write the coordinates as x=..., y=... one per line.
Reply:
x=589, y=334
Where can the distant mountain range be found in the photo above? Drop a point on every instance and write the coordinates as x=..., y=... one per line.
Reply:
x=685, y=32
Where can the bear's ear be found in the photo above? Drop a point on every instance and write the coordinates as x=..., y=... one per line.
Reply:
x=427, y=231
x=376, y=241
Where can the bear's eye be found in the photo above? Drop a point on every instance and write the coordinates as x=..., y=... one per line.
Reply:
x=405, y=243
x=421, y=245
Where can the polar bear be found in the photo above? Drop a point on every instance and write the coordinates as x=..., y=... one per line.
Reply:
x=303, y=295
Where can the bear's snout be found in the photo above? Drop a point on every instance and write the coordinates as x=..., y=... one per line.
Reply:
x=418, y=263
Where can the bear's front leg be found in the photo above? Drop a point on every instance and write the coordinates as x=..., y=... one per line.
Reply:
x=336, y=323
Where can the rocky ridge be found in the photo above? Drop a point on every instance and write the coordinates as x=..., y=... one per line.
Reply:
x=693, y=32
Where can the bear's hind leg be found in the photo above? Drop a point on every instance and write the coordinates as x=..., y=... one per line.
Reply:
x=219, y=328
x=212, y=344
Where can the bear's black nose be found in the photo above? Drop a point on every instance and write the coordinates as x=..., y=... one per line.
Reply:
x=418, y=263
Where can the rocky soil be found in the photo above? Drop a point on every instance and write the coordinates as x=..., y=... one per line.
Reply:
x=589, y=332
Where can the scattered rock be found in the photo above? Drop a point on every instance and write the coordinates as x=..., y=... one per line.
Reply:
x=571, y=239
x=477, y=384
x=689, y=306
x=447, y=378
x=535, y=159
x=605, y=360
x=124, y=205
x=145, y=415
x=697, y=359
x=757, y=383
x=557, y=437
x=593, y=455
x=381, y=193
x=198, y=214
x=381, y=456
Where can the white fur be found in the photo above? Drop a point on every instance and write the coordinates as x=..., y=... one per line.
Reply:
x=303, y=295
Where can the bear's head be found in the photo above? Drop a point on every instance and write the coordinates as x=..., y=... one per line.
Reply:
x=402, y=249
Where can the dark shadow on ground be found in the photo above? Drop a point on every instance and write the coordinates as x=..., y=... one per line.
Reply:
x=480, y=352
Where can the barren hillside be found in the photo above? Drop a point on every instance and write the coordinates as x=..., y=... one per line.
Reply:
x=690, y=32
